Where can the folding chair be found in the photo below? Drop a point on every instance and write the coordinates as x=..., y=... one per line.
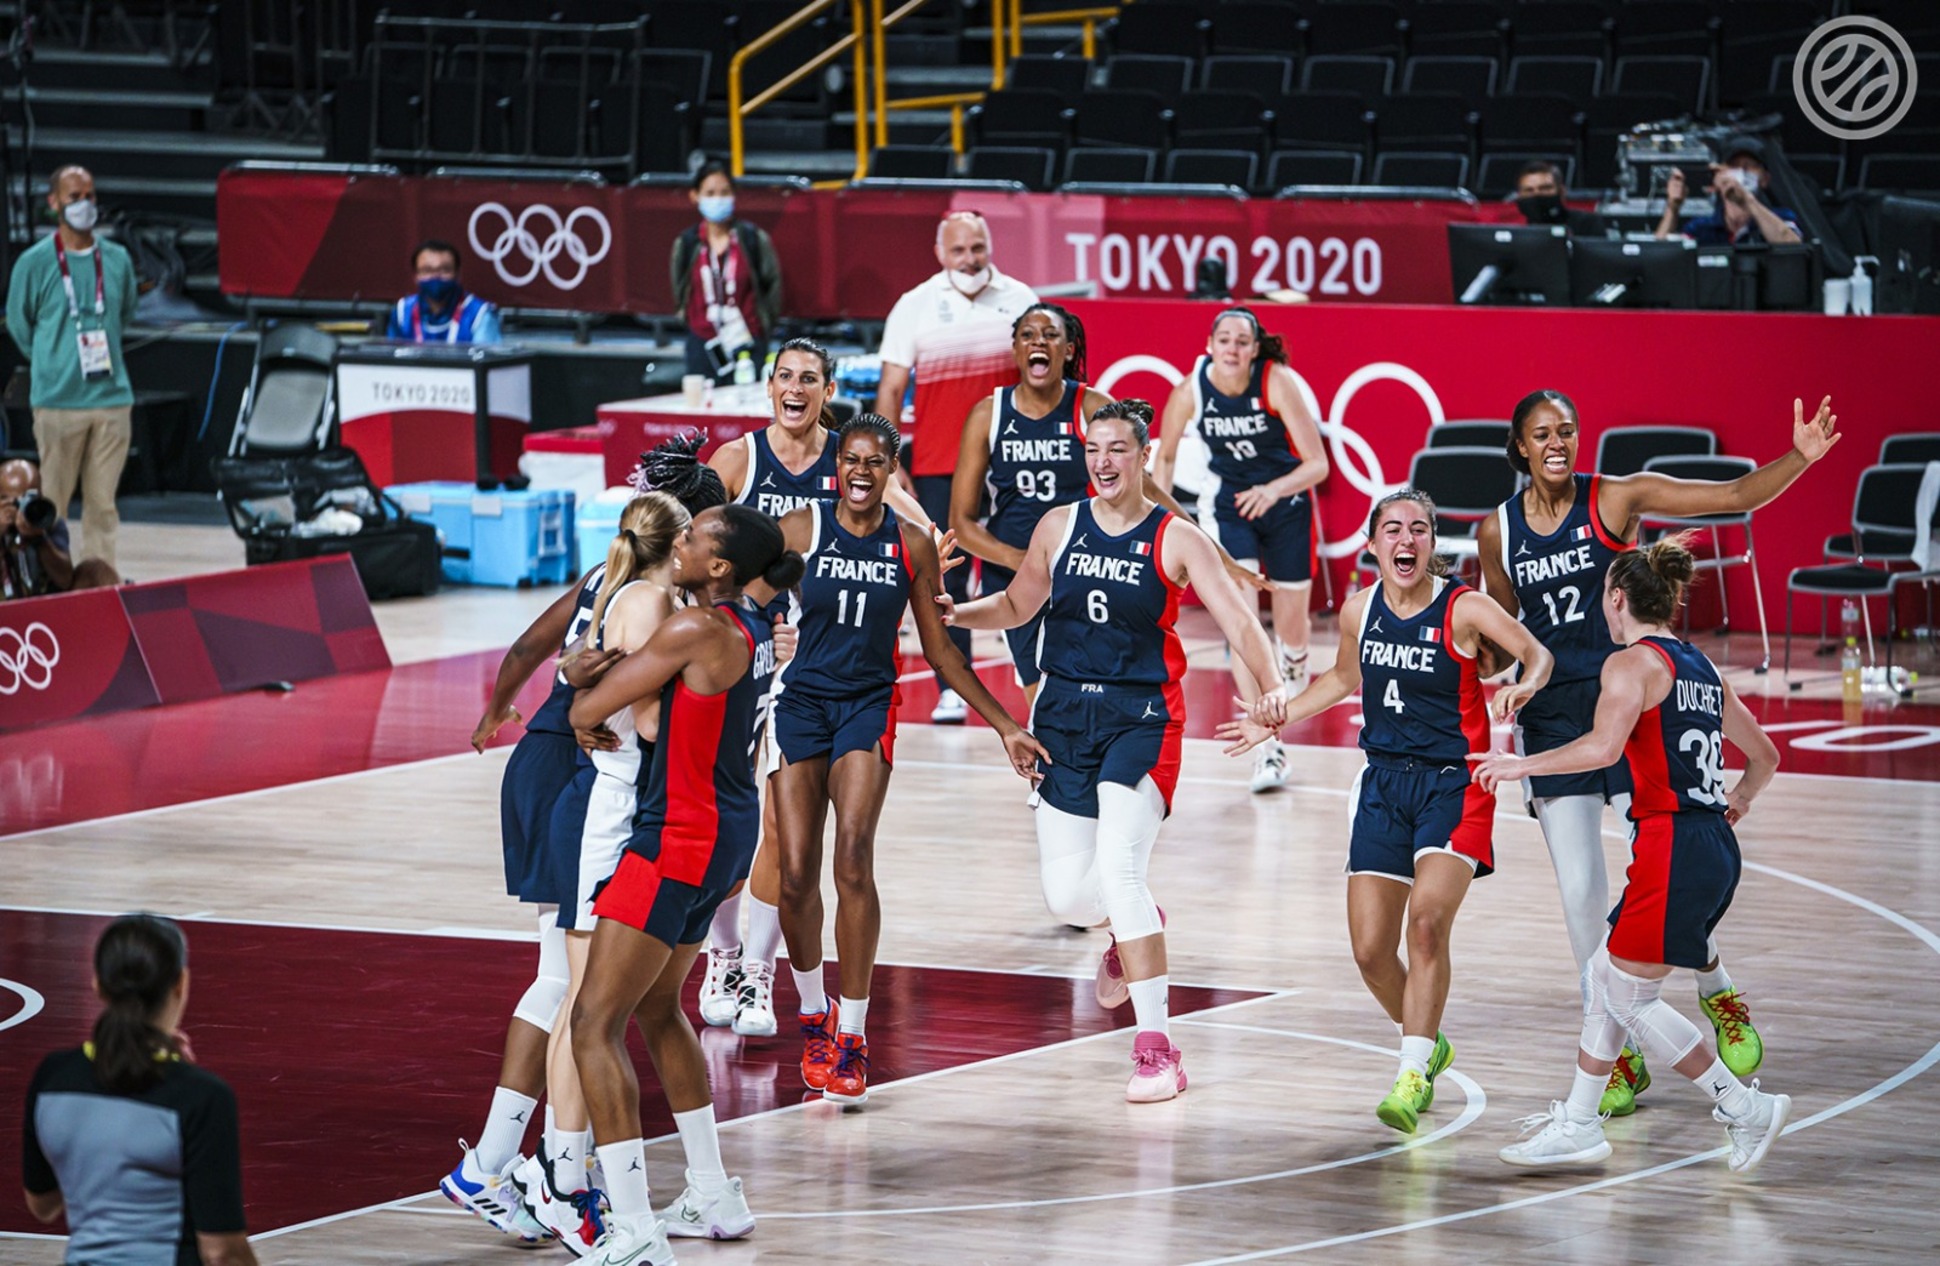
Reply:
x=1719, y=470
x=291, y=403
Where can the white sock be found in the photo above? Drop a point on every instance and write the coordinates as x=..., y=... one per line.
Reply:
x=504, y=1128
x=724, y=933
x=569, y=1172
x=625, y=1163
x=1725, y=1089
x=1715, y=981
x=1148, y=1005
x=702, y=1142
x=1416, y=1052
x=852, y=1015
x=808, y=984
x=764, y=933
x=1586, y=1096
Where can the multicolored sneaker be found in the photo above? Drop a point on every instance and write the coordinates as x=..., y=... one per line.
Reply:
x=754, y=1014
x=1738, y=1043
x=1557, y=1141
x=1406, y=1102
x=1269, y=767
x=722, y=1216
x=848, y=1081
x=1753, y=1133
x=818, y=1049
x=1158, y=1069
x=636, y=1240
x=1438, y=1062
x=574, y=1219
x=1628, y=1079
x=721, y=988
x=494, y=1197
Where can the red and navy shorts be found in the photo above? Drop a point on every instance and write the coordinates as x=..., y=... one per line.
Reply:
x=1106, y=733
x=1405, y=808
x=808, y=725
x=671, y=912
x=1684, y=868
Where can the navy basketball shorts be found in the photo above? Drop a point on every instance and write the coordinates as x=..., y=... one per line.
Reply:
x=1022, y=640
x=540, y=767
x=1559, y=714
x=669, y=910
x=1684, y=868
x=1281, y=539
x=1098, y=733
x=806, y=725
x=591, y=823
x=1403, y=809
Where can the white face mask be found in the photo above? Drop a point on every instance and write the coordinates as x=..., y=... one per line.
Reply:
x=970, y=285
x=1748, y=178
x=81, y=216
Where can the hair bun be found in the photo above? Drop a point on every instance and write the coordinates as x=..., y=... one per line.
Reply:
x=785, y=571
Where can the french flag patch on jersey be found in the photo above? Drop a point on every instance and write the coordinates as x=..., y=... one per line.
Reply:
x=891, y=549
x=830, y=483
x=1581, y=534
x=1141, y=547
x=1256, y=403
x=1431, y=633
x=1067, y=428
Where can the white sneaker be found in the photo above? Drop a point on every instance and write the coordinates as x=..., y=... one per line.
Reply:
x=1158, y=1069
x=1269, y=767
x=722, y=1216
x=1558, y=1140
x=1753, y=1134
x=721, y=989
x=575, y=1220
x=950, y=709
x=497, y=1198
x=754, y=1013
x=633, y=1240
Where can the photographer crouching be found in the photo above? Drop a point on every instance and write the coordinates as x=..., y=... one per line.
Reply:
x=33, y=541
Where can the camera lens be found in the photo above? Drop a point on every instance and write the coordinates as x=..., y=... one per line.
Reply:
x=37, y=512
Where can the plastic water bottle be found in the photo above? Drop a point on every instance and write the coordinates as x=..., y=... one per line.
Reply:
x=1862, y=286
x=1852, y=682
x=744, y=369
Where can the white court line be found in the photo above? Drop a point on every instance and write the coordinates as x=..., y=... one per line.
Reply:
x=1860, y=1100
x=29, y=1235
x=31, y=1002
x=339, y=1217
x=1475, y=1103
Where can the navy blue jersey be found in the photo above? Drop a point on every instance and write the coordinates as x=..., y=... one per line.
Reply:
x=1676, y=749
x=1112, y=609
x=700, y=787
x=1248, y=442
x=1559, y=582
x=1421, y=699
x=551, y=718
x=852, y=595
x=773, y=489
x=1036, y=464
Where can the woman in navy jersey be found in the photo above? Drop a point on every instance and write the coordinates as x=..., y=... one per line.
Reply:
x=1265, y=455
x=835, y=726
x=1111, y=713
x=1419, y=833
x=1543, y=557
x=709, y=666
x=1664, y=707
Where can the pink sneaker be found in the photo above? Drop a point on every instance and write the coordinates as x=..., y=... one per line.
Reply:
x=1113, y=989
x=1158, y=1069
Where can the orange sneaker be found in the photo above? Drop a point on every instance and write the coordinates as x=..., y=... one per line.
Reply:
x=818, y=1049
x=849, y=1083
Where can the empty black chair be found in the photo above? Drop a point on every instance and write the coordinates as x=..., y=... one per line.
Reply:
x=1028, y=167
x=1524, y=122
x=1456, y=30
x=1470, y=433
x=1470, y=78
x=1686, y=78
x=911, y=162
x=683, y=72
x=1066, y=76
x=1371, y=77
x=1425, y=121
x=1161, y=27
x=1827, y=172
x=1917, y=446
x=1753, y=35
x=1122, y=116
x=558, y=120
x=1322, y=120
x=1219, y=120
x=1656, y=27
x=1915, y=175
x=1240, y=168
x=1312, y=167
x=1623, y=450
x=1352, y=27
x=1467, y=485
x=453, y=117
x=1578, y=78
x=1427, y=171
x=1258, y=26
x=1495, y=177
x=1022, y=116
x=1559, y=28
x=1166, y=76
x=1110, y=166
x=1264, y=77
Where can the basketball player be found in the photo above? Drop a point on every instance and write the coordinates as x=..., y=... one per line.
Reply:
x=1665, y=707
x=835, y=727
x=1419, y=834
x=1543, y=557
x=708, y=664
x=1266, y=455
x=1112, y=709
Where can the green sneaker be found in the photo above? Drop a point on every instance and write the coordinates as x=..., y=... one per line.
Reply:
x=1406, y=1102
x=1438, y=1064
x=1628, y=1079
x=1738, y=1043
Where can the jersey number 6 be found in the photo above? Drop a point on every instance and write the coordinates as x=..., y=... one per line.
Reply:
x=1096, y=607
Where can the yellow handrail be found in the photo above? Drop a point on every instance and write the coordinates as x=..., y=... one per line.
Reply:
x=955, y=100
x=1088, y=17
x=738, y=110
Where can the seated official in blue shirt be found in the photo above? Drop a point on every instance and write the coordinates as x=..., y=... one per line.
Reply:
x=441, y=311
x=1742, y=184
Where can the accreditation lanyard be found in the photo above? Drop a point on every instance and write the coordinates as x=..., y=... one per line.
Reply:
x=451, y=331
x=96, y=360
x=67, y=280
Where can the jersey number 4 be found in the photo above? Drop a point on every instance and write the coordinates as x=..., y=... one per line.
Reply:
x=1391, y=697
x=1707, y=753
x=1572, y=612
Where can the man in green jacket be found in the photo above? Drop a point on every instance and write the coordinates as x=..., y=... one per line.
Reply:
x=71, y=297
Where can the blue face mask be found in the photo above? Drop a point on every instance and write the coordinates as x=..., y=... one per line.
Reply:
x=717, y=210
x=439, y=292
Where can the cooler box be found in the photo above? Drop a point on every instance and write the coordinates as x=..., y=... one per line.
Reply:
x=569, y=459
x=596, y=523
x=496, y=538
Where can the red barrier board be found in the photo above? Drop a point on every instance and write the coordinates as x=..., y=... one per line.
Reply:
x=1377, y=377
x=844, y=252
x=69, y=655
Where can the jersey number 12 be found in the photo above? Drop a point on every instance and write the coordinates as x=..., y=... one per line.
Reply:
x=1572, y=597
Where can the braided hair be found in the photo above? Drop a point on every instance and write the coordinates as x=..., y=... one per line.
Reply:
x=675, y=467
x=1074, y=334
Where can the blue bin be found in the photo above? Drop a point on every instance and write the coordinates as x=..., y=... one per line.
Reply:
x=596, y=523
x=497, y=538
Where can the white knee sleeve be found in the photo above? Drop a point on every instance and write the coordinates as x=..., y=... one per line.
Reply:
x=1128, y=824
x=1654, y=1025
x=1067, y=866
x=1573, y=829
x=1602, y=1034
x=544, y=996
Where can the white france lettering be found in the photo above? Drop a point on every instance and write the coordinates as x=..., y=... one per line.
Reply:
x=1245, y=425
x=1057, y=450
x=775, y=505
x=1534, y=571
x=1413, y=659
x=871, y=571
x=1092, y=567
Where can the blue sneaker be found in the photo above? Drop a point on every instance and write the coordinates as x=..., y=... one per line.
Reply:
x=496, y=1198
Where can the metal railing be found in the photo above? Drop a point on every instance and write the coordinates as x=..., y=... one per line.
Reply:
x=1088, y=19
x=740, y=106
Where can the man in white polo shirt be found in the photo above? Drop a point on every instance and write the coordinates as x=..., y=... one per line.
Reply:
x=953, y=331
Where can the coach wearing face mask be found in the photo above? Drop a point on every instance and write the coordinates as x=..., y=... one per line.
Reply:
x=1540, y=196
x=441, y=311
x=71, y=297
x=1742, y=184
x=727, y=281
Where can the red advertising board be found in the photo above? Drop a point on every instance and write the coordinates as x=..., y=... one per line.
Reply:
x=69, y=655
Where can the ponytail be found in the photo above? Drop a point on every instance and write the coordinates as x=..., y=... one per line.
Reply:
x=648, y=527
x=1273, y=348
x=137, y=963
x=1654, y=580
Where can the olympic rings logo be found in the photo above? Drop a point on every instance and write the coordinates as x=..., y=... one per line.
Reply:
x=517, y=242
x=28, y=659
x=1352, y=457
